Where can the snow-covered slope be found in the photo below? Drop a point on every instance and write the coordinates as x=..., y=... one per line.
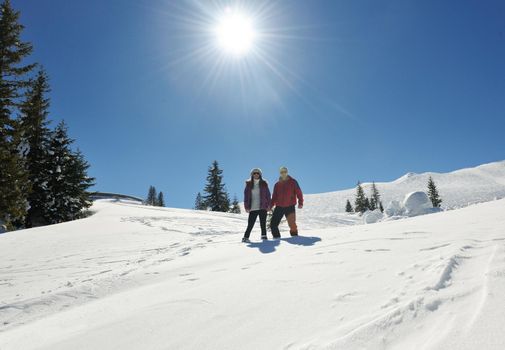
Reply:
x=134, y=277
x=458, y=189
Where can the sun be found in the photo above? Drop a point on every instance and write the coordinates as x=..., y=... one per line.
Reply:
x=235, y=33
x=241, y=49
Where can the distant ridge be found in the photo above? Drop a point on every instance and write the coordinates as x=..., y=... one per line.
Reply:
x=458, y=188
x=108, y=195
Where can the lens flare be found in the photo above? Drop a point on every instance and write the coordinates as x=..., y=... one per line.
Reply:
x=247, y=54
x=235, y=33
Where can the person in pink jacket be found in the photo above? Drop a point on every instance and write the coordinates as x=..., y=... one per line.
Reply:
x=256, y=203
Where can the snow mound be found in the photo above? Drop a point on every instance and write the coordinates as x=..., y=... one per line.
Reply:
x=395, y=208
x=372, y=216
x=418, y=203
x=414, y=204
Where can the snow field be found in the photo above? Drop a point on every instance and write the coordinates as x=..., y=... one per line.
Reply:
x=135, y=277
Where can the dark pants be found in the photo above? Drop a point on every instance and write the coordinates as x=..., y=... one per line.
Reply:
x=253, y=215
x=290, y=214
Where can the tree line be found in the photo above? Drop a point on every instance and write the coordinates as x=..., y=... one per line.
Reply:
x=154, y=198
x=215, y=196
x=43, y=180
x=362, y=203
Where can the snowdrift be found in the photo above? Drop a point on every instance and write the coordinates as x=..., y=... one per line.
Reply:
x=371, y=217
x=418, y=203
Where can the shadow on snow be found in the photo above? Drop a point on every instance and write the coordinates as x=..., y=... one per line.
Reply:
x=269, y=246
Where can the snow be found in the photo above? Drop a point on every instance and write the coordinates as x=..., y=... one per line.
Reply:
x=133, y=277
x=418, y=203
x=457, y=189
x=372, y=216
x=394, y=208
x=140, y=277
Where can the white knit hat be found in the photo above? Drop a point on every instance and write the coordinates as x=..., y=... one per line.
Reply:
x=283, y=168
x=256, y=170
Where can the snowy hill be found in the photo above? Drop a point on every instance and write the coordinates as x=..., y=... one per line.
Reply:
x=458, y=189
x=135, y=277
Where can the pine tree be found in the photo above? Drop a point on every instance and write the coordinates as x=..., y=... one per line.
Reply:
x=348, y=207
x=160, y=201
x=14, y=184
x=367, y=204
x=216, y=197
x=199, y=202
x=361, y=202
x=151, y=196
x=235, y=206
x=433, y=193
x=34, y=136
x=371, y=203
x=375, y=197
x=69, y=182
x=14, y=187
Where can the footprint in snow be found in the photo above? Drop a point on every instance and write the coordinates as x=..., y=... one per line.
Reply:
x=346, y=296
x=391, y=302
x=219, y=270
x=435, y=247
x=184, y=251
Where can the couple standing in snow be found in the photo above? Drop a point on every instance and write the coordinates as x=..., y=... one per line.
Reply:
x=258, y=202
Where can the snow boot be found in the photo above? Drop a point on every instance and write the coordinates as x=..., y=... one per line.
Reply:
x=264, y=237
x=246, y=240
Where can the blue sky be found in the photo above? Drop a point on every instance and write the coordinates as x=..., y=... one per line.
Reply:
x=349, y=90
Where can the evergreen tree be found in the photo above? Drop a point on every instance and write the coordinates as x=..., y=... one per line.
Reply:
x=14, y=187
x=216, y=197
x=235, y=206
x=160, y=201
x=14, y=184
x=433, y=193
x=375, y=197
x=348, y=207
x=361, y=202
x=33, y=144
x=367, y=204
x=371, y=203
x=151, y=196
x=69, y=182
x=199, y=202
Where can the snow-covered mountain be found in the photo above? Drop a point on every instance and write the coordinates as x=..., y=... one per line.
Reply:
x=137, y=277
x=458, y=189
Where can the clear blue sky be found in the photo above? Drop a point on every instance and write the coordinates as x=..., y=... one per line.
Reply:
x=364, y=90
